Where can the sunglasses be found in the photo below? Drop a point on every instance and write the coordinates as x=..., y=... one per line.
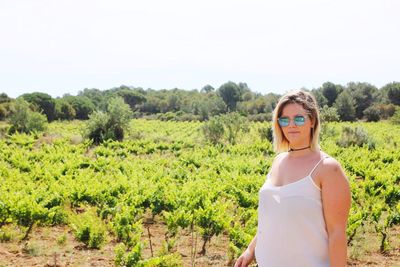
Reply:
x=299, y=120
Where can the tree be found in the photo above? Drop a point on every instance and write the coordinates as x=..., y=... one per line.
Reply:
x=392, y=91
x=364, y=95
x=96, y=96
x=132, y=98
x=321, y=99
x=331, y=91
x=64, y=110
x=44, y=102
x=6, y=109
x=4, y=98
x=83, y=106
x=209, y=106
x=271, y=101
x=207, y=89
x=173, y=102
x=243, y=88
x=345, y=106
x=230, y=93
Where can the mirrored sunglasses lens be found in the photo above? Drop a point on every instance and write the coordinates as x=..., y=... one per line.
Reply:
x=283, y=121
x=299, y=120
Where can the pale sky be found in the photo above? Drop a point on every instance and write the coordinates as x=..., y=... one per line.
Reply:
x=63, y=46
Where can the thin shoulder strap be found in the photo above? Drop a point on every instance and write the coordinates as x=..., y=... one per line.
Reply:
x=316, y=165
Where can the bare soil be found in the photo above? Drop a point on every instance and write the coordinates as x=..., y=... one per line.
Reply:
x=56, y=246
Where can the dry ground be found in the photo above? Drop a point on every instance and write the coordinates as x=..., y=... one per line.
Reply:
x=56, y=246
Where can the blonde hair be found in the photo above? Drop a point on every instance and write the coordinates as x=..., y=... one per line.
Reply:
x=308, y=102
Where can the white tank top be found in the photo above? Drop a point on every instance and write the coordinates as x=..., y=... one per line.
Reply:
x=291, y=225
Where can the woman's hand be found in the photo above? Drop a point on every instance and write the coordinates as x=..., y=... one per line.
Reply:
x=245, y=259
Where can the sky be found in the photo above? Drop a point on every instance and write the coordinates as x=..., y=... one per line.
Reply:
x=64, y=46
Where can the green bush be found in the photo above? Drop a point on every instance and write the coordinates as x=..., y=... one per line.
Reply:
x=355, y=136
x=172, y=260
x=396, y=117
x=24, y=120
x=5, y=236
x=97, y=127
x=229, y=126
x=169, y=116
x=110, y=125
x=327, y=131
x=6, y=109
x=127, y=228
x=234, y=125
x=214, y=130
x=386, y=110
x=372, y=114
x=89, y=230
x=130, y=258
x=261, y=117
x=329, y=114
x=133, y=257
x=266, y=133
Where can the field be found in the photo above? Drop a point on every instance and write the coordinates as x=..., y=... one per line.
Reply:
x=164, y=195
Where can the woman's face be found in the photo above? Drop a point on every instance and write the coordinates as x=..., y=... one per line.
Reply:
x=297, y=135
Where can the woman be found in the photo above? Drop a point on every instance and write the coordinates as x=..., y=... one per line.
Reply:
x=304, y=203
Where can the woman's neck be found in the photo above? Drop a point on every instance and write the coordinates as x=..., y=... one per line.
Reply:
x=300, y=151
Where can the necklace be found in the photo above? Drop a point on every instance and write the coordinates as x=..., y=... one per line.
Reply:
x=294, y=149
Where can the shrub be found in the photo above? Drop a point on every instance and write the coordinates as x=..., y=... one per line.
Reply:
x=229, y=126
x=62, y=240
x=6, y=109
x=355, y=137
x=110, y=125
x=127, y=229
x=234, y=124
x=386, y=110
x=266, y=133
x=172, y=260
x=396, y=117
x=26, y=121
x=5, y=236
x=89, y=230
x=372, y=114
x=32, y=249
x=329, y=114
x=327, y=131
x=214, y=130
x=97, y=127
x=36, y=122
x=133, y=258
x=167, y=116
x=130, y=258
x=64, y=110
x=189, y=117
x=261, y=117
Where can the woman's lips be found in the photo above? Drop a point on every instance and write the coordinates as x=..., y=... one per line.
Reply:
x=294, y=132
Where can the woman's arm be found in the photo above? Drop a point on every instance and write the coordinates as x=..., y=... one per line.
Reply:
x=248, y=255
x=336, y=201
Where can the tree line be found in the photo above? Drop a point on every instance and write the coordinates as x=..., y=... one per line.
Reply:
x=354, y=101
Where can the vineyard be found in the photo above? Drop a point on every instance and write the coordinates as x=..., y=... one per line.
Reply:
x=165, y=197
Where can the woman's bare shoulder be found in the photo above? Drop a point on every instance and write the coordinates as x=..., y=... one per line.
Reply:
x=279, y=157
x=330, y=166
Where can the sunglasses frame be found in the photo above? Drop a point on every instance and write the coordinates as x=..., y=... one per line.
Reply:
x=297, y=123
